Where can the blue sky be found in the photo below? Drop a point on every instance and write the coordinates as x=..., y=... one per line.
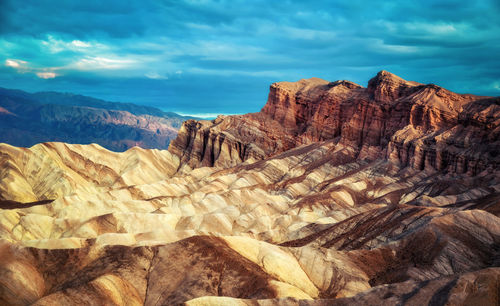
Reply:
x=202, y=56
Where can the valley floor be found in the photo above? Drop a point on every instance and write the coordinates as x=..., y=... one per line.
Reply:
x=308, y=226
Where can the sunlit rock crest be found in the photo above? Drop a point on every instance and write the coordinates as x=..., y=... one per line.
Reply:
x=421, y=126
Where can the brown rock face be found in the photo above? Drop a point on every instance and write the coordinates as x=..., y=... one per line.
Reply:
x=118, y=275
x=475, y=288
x=230, y=140
x=309, y=223
x=422, y=126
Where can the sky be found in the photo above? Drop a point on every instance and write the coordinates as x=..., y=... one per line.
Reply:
x=206, y=57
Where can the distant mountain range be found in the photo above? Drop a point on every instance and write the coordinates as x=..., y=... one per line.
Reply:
x=30, y=118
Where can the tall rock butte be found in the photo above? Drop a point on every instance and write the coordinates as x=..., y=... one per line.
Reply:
x=333, y=194
x=422, y=126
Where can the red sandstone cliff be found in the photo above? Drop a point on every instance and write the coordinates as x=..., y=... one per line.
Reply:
x=422, y=126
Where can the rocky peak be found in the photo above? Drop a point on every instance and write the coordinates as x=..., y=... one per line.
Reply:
x=344, y=83
x=301, y=85
x=386, y=76
x=389, y=119
x=387, y=87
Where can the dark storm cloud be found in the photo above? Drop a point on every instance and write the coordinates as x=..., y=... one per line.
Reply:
x=221, y=56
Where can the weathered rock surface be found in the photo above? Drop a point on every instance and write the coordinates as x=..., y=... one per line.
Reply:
x=344, y=226
x=292, y=211
x=475, y=288
x=422, y=126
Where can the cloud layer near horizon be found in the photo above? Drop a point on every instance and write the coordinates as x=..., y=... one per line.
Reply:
x=220, y=56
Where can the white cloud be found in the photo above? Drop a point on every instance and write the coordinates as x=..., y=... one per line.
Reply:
x=46, y=75
x=155, y=76
x=22, y=67
x=15, y=63
x=432, y=28
x=99, y=62
x=11, y=63
x=81, y=44
x=55, y=45
x=380, y=46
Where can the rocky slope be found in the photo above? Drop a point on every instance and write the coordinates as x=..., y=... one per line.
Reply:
x=27, y=119
x=293, y=218
x=422, y=126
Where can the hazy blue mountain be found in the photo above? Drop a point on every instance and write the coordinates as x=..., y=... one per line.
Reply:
x=27, y=119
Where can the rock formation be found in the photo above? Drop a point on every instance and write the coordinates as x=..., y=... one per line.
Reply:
x=422, y=126
x=333, y=194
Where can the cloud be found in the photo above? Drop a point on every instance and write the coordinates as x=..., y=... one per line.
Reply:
x=81, y=44
x=55, y=45
x=226, y=50
x=46, y=75
x=97, y=62
x=22, y=67
x=380, y=46
x=155, y=76
x=15, y=63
